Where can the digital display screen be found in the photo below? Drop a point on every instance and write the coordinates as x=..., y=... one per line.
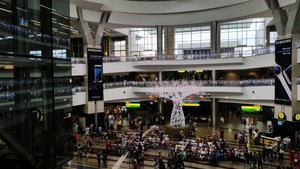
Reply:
x=23, y=22
x=133, y=105
x=95, y=71
x=251, y=108
x=98, y=72
x=280, y=122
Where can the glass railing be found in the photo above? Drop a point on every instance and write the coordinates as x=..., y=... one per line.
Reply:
x=77, y=89
x=238, y=83
x=77, y=60
x=237, y=54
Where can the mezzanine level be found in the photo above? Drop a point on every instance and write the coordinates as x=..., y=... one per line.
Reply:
x=245, y=60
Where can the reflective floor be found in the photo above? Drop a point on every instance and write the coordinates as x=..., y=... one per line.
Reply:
x=150, y=155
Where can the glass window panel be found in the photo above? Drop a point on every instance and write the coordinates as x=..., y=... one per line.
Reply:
x=186, y=36
x=251, y=34
x=251, y=42
x=146, y=39
x=224, y=35
x=178, y=37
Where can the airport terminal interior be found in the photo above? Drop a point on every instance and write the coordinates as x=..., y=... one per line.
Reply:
x=142, y=84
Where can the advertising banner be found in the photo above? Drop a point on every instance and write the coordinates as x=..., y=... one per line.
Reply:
x=282, y=71
x=95, y=71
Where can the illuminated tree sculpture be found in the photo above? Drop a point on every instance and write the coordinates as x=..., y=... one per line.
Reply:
x=175, y=91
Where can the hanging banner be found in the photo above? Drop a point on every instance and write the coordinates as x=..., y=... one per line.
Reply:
x=95, y=71
x=282, y=71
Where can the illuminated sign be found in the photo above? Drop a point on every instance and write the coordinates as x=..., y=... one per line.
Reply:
x=134, y=101
x=190, y=104
x=132, y=105
x=281, y=116
x=181, y=71
x=187, y=102
x=251, y=108
x=23, y=22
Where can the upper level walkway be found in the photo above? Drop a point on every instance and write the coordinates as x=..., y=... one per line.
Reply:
x=238, y=83
x=238, y=54
x=247, y=53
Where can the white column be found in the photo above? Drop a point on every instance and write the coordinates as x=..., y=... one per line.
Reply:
x=160, y=76
x=213, y=74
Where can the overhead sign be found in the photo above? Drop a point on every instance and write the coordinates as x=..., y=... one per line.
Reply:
x=133, y=105
x=251, y=108
x=189, y=104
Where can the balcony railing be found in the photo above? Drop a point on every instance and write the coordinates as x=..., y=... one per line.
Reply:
x=247, y=53
x=76, y=60
x=77, y=89
x=238, y=83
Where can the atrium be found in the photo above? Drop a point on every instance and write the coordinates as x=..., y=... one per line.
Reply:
x=149, y=83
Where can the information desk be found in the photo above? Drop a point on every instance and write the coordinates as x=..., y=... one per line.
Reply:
x=266, y=139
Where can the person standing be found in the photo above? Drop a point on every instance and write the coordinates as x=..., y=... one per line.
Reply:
x=260, y=161
x=99, y=158
x=264, y=153
x=281, y=153
x=104, y=158
x=79, y=151
x=221, y=133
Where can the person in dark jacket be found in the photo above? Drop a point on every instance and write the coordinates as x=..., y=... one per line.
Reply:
x=104, y=158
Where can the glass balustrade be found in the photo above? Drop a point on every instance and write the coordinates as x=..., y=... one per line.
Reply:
x=238, y=83
x=254, y=52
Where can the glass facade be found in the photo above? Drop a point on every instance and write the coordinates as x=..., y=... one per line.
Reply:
x=119, y=47
x=35, y=85
x=143, y=41
x=192, y=40
x=243, y=37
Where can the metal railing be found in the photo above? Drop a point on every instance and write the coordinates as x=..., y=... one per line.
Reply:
x=246, y=53
x=238, y=83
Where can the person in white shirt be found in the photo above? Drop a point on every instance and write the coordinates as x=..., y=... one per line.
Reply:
x=287, y=142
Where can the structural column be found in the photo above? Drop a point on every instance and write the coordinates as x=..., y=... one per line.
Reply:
x=213, y=74
x=215, y=40
x=159, y=40
x=214, y=114
x=169, y=41
x=288, y=26
x=160, y=76
x=268, y=30
x=160, y=102
x=293, y=29
x=90, y=41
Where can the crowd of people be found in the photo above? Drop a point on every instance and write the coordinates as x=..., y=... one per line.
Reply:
x=212, y=149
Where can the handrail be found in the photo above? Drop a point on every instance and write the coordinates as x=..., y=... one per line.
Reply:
x=238, y=83
x=236, y=54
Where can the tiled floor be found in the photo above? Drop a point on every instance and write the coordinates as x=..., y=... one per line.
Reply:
x=202, y=131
